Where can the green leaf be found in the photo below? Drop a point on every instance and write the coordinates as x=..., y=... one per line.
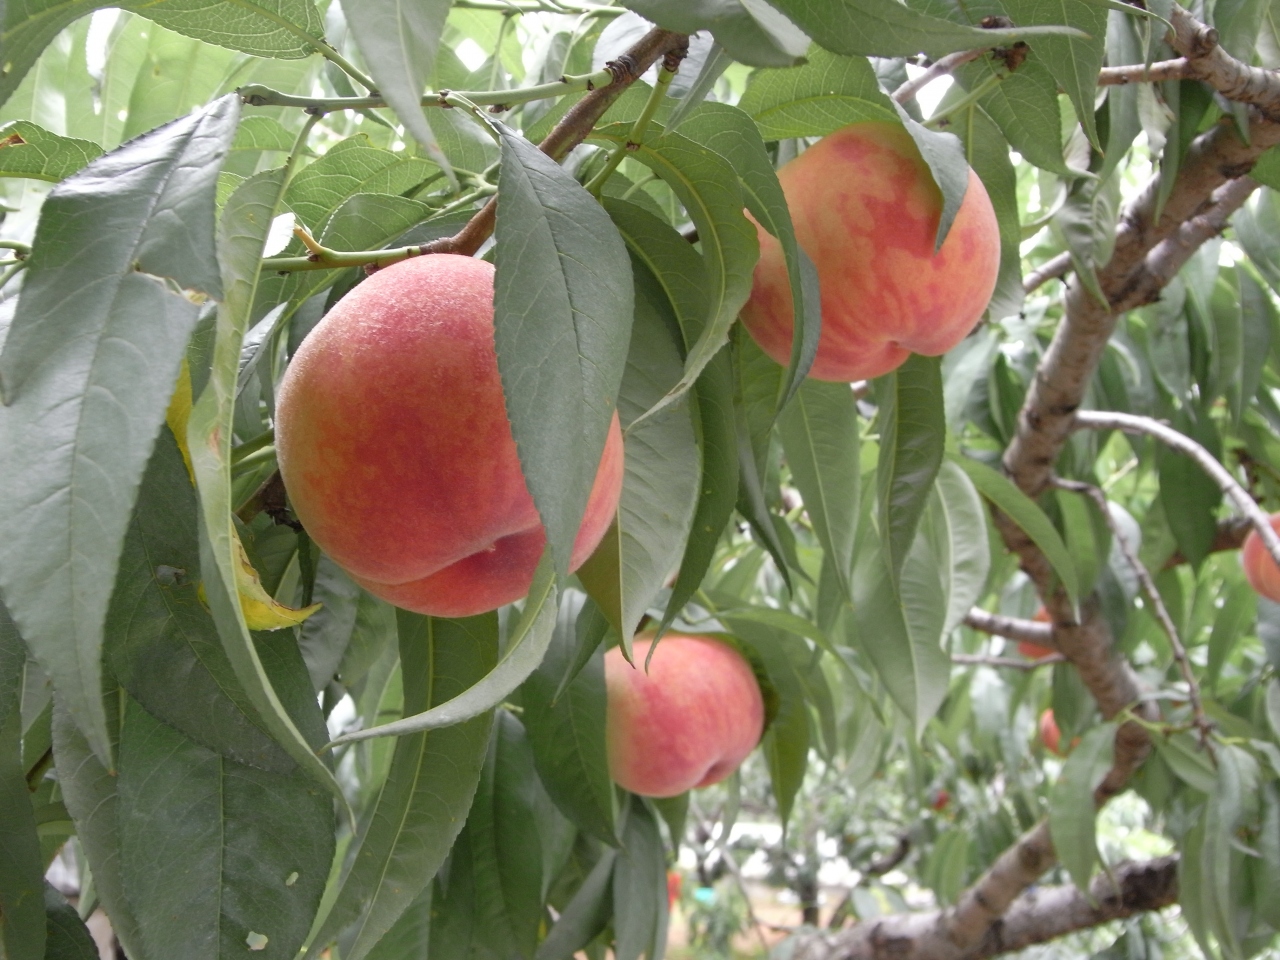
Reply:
x=284, y=29
x=509, y=822
x=1189, y=495
x=709, y=188
x=585, y=916
x=988, y=154
x=422, y=805
x=409, y=937
x=660, y=485
x=162, y=643
x=567, y=728
x=640, y=887
x=97, y=320
x=242, y=234
x=1024, y=105
x=13, y=660
x=22, y=918
x=1189, y=762
x=819, y=431
x=898, y=622
x=730, y=132
x=786, y=741
x=28, y=150
x=67, y=938
x=398, y=42
x=718, y=488
x=177, y=74
x=1023, y=511
x=913, y=434
x=90, y=794
x=207, y=846
x=886, y=28
x=350, y=167
x=1235, y=792
x=751, y=32
x=1074, y=61
x=324, y=635
x=1072, y=814
x=957, y=522
x=827, y=93
x=562, y=316
x=524, y=649
x=262, y=133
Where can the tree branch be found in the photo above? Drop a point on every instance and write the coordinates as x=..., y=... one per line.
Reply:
x=1051, y=269
x=1142, y=73
x=1207, y=61
x=1037, y=916
x=1230, y=535
x=1006, y=663
x=1153, y=597
x=1014, y=628
x=1130, y=423
x=571, y=130
x=939, y=68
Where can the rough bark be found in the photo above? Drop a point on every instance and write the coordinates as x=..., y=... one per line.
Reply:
x=1036, y=916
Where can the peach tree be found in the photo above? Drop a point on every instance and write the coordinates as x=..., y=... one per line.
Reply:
x=231, y=749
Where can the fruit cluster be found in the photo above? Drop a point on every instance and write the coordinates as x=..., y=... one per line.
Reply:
x=399, y=460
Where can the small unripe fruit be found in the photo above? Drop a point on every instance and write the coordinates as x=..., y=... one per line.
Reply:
x=687, y=722
x=1050, y=735
x=1033, y=651
x=1259, y=568
x=397, y=453
x=866, y=210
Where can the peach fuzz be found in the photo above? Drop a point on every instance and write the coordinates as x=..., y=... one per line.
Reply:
x=688, y=722
x=1259, y=569
x=396, y=450
x=866, y=211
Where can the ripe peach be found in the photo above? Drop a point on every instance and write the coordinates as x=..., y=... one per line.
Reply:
x=1259, y=569
x=1033, y=651
x=396, y=450
x=688, y=722
x=1050, y=735
x=866, y=211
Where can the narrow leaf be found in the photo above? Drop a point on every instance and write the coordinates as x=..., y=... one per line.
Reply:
x=422, y=805
x=1072, y=813
x=524, y=650
x=563, y=308
x=912, y=439
x=1022, y=510
x=87, y=369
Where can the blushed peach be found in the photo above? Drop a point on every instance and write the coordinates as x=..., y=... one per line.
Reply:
x=688, y=722
x=396, y=450
x=866, y=211
x=1259, y=569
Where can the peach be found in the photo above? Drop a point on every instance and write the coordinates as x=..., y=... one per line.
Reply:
x=396, y=450
x=1050, y=735
x=1259, y=569
x=1033, y=651
x=688, y=722
x=866, y=211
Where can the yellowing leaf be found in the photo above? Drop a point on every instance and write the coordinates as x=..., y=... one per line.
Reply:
x=179, y=413
x=261, y=610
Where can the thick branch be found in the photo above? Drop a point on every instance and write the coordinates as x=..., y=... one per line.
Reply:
x=1207, y=61
x=1013, y=628
x=1214, y=158
x=1037, y=916
x=1006, y=663
x=1239, y=497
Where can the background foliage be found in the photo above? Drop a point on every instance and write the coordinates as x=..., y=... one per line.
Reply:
x=218, y=779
